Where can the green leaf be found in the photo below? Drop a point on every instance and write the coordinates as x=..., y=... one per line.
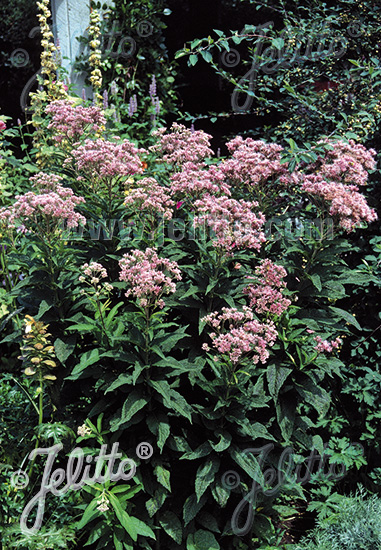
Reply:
x=193, y=59
x=89, y=514
x=224, y=442
x=172, y=526
x=123, y=517
x=172, y=399
x=249, y=464
x=318, y=443
x=346, y=316
x=191, y=508
x=220, y=493
x=276, y=377
x=88, y=358
x=64, y=349
x=205, y=476
x=122, y=380
x=205, y=540
x=163, y=476
x=202, y=450
x=141, y=528
x=156, y=502
x=134, y=403
x=207, y=56
x=316, y=281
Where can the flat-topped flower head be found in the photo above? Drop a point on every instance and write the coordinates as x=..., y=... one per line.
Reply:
x=345, y=203
x=234, y=223
x=101, y=159
x=47, y=210
x=149, y=277
x=196, y=180
x=253, y=162
x=71, y=121
x=150, y=197
x=181, y=145
x=236, y=335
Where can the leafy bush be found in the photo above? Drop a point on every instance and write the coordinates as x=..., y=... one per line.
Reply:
x=184, y=332
x=355, y=525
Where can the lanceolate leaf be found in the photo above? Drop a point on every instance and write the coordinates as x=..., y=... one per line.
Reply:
x=205, y=476
x=276, y=377
x=172, y=526
x=134, y=402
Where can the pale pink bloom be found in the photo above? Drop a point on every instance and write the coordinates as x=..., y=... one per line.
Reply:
x=181, y=145
x=234, y=223
x=265, y=293
x=103, y=160
x=151, y=197
x=236, y=334
x=72, y=121
x=148, y=276
x=324, y=346
x=45, y=210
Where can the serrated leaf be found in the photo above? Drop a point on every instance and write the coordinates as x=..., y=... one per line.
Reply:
x=205, y=476
x=172, y=526
x=346, y=316
x=163, y=476
x=172, y=399
x=134, y=403
x=276, y=377
x=192, y=507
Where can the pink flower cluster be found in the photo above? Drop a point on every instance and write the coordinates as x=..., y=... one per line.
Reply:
x=254, y=162
x=335, y=178
x=71, y=122
x=2, y=125
x=45, y=211
x=182, y=145
x=347, y=205
x=237, y=334
x=233, y=222
x=101, y=159
x=149, y=276
x=92, y=275
x=351, y=160
x=266, y=293
x=46, y=182
x=194, y=181
x=323, y=346
x=151, y=197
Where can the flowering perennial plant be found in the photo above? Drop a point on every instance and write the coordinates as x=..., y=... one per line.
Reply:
x=150, y=197
x=325, y=346
x=347, y=205
x=237, y=335
x=181, y=145
x=253, y=162
x=55, y=87
x=149, y=277
x=103, y=162
x=195, y=180
x=92, y=275
x=234, y=223
x=70, y=121
x=44, y=213
x=37, y=350
x=265, y=294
